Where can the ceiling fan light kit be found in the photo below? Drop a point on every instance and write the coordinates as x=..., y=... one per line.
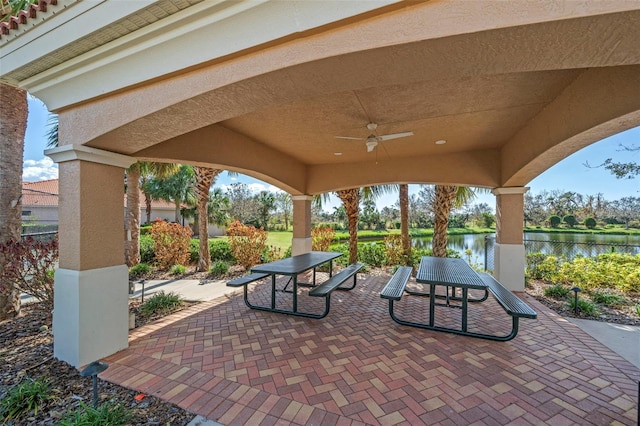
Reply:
x=372, y=140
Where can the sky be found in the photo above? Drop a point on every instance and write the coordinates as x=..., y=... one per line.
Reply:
x=571, y=174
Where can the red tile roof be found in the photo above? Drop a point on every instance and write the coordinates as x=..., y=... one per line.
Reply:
x=45, y=193
x=23, y=16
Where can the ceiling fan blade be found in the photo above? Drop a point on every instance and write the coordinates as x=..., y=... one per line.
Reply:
x=394, y=136
x=350, y=138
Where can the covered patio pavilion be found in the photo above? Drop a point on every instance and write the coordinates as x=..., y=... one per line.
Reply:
x=264, y=88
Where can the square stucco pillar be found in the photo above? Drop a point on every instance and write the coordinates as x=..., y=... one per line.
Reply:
x=301, y=242
x=509, y=255
x=90, y=315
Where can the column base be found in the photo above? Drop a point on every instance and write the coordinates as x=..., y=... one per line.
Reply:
x=509, y=265
x=300, y=246
x=91, y=314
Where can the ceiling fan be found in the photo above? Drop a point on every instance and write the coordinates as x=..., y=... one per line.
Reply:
x=372, y=140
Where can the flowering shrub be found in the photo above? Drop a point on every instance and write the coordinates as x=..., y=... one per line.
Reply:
x=247, y=243
x=171, y=243
x=321, y=238
x=30, y=267
x=393, y=249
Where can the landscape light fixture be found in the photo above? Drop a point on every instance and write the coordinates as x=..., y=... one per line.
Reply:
x=93, y=369
x=575, y=291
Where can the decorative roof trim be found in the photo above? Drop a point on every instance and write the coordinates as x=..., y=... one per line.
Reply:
x=510, y=190
x=84, y=153
x=24, y=16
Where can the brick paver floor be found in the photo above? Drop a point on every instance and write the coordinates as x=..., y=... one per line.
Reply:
x=238, y=366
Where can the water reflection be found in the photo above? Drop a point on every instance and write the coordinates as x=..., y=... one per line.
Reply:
x=565, y=245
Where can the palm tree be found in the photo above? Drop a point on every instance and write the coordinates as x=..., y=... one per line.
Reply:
x=13, y=126
x=446, y=198
x=176, y=188
x=135, y=175
x=351, y=201
x=204, y=178
x=266, y=203
x=404, y=222
x=218, y=208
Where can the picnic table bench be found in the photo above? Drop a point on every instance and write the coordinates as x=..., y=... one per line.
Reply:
x=455, y=273
x=292, y=267
x=243, y=281
x=511, y=303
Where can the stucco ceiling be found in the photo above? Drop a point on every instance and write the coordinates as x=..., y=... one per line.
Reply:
x=509, y=102
x=471, y=113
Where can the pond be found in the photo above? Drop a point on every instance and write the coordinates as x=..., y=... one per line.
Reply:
x=559, y=244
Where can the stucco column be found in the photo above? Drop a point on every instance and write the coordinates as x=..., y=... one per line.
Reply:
x=90, y=316
x=301, y=242
x=509, y=255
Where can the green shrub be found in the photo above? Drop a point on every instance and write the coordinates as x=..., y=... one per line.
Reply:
x=554, y=221
x=584, y=305
x=547, y=270
x=139, y=270
x=607, y=298
x=534, y=260
x=24, y=398
x=638, y=309
x=147, y=254
x=105, y=415
x=570, y=220
x=373, y=254
x=557, y=291
x=590, y=223
x=219, y=268
x=194, y=250
x=145, y=229
x=611, y=270
x=178, y=270
x=220, y=250
x=161, y=302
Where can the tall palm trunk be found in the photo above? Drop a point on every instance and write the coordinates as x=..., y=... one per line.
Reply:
x=351, y=200
x=404, y=222
x=132, y=217
x=147, y=205
x=204, y=179
x=444, y=198
x=13, y=125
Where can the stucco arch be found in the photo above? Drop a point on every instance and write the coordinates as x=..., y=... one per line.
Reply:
x=512, y=94
x=598, y=104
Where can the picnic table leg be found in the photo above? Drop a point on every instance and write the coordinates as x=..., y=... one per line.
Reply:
x=465, y=305
x=432, y=304
x=314, y=276
x=273, y=291
x=295, y=293
x=330, y=268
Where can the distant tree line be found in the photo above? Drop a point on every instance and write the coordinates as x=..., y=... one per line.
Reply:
x=566, y=208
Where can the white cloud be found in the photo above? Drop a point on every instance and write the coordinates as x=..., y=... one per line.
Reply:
x=37, y=170
x=257, y=187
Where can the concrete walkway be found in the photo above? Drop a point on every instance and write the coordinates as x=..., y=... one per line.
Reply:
x=622, y=339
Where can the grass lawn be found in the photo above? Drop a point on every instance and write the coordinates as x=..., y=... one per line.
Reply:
x=280, y=239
